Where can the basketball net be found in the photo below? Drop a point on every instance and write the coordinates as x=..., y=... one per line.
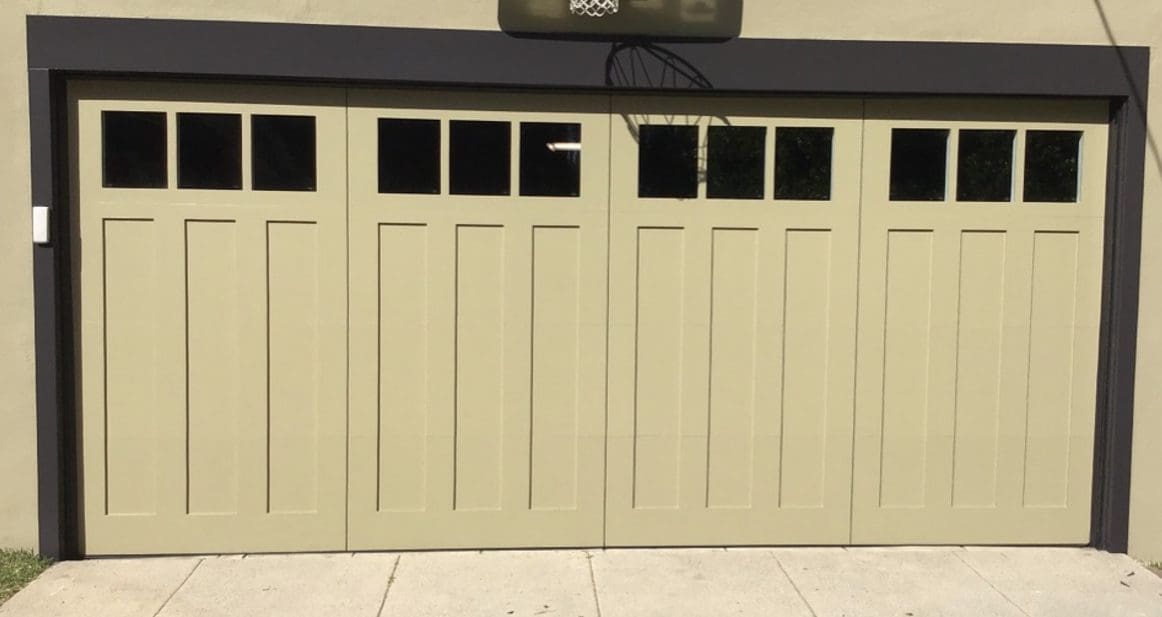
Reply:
x=593, y=8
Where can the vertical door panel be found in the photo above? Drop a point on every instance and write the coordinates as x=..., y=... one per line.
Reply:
x=978, y=358
x=477, y=331
x=212, y=347
x=732, y=335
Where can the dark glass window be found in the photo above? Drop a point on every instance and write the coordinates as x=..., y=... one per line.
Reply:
x=409, y=156
x=1051, y=166
x=668, y=161
x=133, y=149
x=284, y=153
x=919, y=164
x=550, y=159
x=985, y=167
x=209, y=151
x=736, y=160
x=481, y=157
x=803, y=163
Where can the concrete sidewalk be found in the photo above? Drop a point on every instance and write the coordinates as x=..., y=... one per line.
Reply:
x=897, y=582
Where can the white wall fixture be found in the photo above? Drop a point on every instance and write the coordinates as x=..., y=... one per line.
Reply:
x=40, y=233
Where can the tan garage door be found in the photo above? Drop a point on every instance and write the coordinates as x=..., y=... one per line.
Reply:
x=980, y=296
x=213, y=318
x=733, y=263
x=478, y=268
x=325, y=319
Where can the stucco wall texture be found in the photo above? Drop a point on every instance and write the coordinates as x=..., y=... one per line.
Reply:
x=1091, y=22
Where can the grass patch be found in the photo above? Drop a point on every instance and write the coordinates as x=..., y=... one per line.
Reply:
x=17, y=569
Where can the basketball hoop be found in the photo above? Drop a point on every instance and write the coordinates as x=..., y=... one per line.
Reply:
x=593, y=8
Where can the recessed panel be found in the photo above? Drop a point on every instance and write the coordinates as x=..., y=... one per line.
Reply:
x=556, y=345
x=214, y=366
x=294, y=362
x=1052, y=332
x=403, y=367
x=980, y=338
x=658, y=400
x=806, y=341
x=132, y=366
x=907, y=335
x=733, y=335
x=480, y=330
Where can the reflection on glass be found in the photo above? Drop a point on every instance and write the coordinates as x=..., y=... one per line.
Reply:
x=550, y=159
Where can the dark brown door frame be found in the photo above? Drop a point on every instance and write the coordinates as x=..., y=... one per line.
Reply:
x=63, y=47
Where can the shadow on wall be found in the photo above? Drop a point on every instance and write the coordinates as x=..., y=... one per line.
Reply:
x=1135, y=87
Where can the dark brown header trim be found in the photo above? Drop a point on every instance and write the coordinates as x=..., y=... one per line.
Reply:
x=59, y=47
x=407, y=55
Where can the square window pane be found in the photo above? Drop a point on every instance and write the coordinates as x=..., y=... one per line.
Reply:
x=736, y=161
x=283, y=153
x=409, y=156
x=481, y=161
x=919, y=164
x=550, y=159
x=668, y=161
x=985, y=166
x=209, y=151
x=1051, y=166
x=133, y=149
x=803, y=163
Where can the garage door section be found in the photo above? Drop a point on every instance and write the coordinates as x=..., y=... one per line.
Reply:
x=979, y=308
x=212, y=252
x=733, y=269
x=478, y=299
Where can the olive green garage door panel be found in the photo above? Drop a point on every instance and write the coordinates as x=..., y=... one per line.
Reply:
x=979, y=307
x=478, y=308
x=212, y=300
x=733, y=276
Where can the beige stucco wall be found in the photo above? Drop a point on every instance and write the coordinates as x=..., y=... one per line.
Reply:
x=1128, y=22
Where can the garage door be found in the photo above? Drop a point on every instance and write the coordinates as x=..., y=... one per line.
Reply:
x=213, y=303
x=326, y=319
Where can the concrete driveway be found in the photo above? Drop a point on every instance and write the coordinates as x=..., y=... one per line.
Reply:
x=896, y=582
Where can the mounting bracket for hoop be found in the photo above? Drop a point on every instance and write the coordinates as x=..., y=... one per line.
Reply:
x=619, y=20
